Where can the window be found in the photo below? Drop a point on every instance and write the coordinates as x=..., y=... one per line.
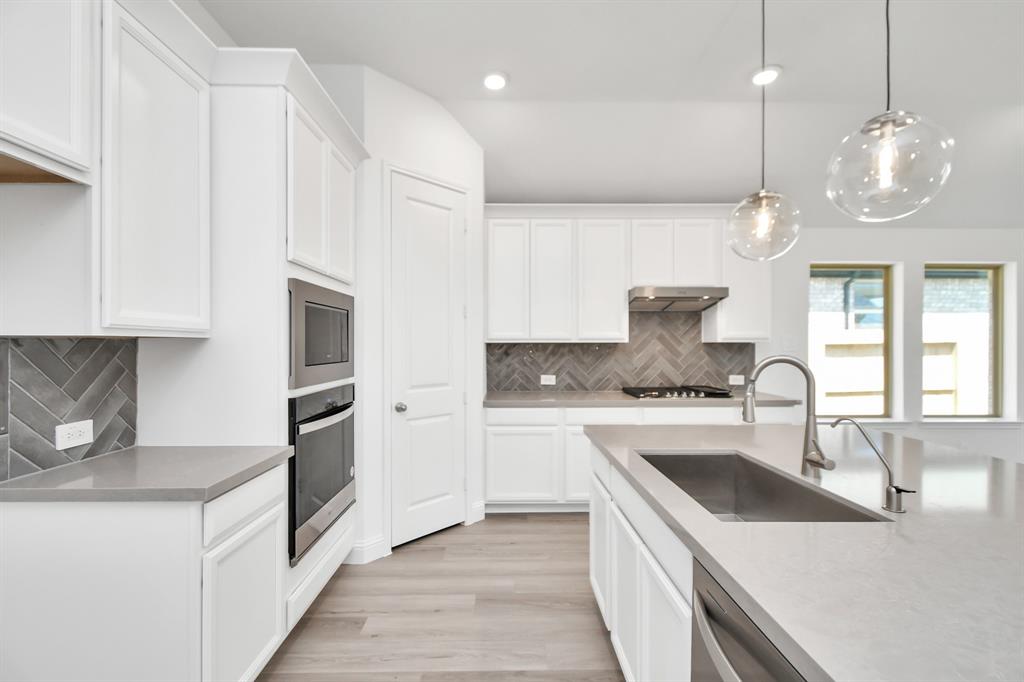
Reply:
x=960, y=331
x=848, y=333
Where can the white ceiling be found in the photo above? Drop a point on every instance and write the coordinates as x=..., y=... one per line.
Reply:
x=637, y=100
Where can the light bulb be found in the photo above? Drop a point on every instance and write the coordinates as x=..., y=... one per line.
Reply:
x=890, y=167
x=763, y=226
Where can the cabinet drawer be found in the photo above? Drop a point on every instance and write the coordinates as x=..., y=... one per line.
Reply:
x=526, y=416
x=601, y=415
x=224, y=514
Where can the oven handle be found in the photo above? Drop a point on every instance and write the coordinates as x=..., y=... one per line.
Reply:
x=310, y=427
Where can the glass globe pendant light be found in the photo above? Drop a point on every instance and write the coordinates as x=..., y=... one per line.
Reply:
x=765, y=224
x=892, y=165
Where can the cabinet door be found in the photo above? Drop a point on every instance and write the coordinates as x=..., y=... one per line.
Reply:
x=48, y=86
x=243, y=598
x=602, y=283
x=307, y=189
x=577, y=465
x=652, y=253
x=551, y=280
x=664, y=625
x=341, y=216
x=746, y=315
x=523, y=464
x=625, y=575
x=508, y=286
x=156, y=183
x=600, y=547
x=698, y=253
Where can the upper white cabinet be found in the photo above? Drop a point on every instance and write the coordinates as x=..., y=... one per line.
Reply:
x=603, y=268
x=508, y=280
x=321, y=198
x=156, y=183
x=746, y=315
x=49, y=61
x=552, y=314
x=682, y=252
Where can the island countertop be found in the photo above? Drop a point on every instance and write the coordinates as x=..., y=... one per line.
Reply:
x=619, y=399
x=935, y=594
x=148, y=473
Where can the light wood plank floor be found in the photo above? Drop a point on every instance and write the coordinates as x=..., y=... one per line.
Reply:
x=505, y=599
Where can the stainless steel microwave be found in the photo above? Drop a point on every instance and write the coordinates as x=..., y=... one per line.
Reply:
x=321, y=335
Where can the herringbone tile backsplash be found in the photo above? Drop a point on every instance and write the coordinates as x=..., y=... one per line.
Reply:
x=47, y=382
x=664, y=349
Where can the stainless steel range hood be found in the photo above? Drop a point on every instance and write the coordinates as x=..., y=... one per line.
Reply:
x=674, y=299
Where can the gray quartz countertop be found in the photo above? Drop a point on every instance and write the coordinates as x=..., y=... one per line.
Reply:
x=935, y=594
x=618, y=399
x=148, y=473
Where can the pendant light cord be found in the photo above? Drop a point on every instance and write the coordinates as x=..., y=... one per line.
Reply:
x=763, y=88
x=888, y=72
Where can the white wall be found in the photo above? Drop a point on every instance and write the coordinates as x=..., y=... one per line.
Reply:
x=206, y=23
x=909, y=249
x=404, y=128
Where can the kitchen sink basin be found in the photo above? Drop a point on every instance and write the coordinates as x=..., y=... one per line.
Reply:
x=736, y=488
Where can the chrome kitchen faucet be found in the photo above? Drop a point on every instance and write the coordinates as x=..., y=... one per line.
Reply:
x=813, y=455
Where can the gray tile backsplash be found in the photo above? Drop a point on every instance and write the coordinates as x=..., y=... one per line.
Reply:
x=48, y=382
x=664, y=349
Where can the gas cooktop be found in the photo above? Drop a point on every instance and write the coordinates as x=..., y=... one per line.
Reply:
x=677, y=392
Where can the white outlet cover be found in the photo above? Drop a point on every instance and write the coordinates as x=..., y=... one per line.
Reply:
x=737, y=380
x=73, y=434
x=548, y=379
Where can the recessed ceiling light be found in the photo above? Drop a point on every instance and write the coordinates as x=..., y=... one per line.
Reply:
x=767, y=75
x=495, y=81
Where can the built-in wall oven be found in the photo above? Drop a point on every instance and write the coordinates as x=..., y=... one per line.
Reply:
x=321, y=335
x=321, y=473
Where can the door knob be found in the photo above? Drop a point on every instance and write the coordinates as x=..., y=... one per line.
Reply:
x=401, y=407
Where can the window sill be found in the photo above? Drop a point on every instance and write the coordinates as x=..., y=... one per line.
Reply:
x=962, y=422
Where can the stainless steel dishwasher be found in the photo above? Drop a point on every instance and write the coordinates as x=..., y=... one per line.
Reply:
x=726, y=645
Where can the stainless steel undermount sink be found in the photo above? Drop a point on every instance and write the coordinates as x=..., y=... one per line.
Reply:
x=736, y=488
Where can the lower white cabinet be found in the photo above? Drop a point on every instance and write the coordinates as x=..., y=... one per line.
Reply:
x=664, y=625
x=625, y=594
x=600, y=547
x=243, y=598
x=523, y=464
x=577, y=465
x=644, y=609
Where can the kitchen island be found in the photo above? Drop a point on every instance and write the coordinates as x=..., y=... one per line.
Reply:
x=935, y=593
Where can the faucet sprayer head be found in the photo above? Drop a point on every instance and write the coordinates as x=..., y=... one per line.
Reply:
x=748, y=404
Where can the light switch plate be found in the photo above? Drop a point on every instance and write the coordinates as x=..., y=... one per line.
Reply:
x=548, y=379
x=75, y=433
x=737, y=380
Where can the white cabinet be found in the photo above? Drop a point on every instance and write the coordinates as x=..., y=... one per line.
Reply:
x=664, y=625
x=508, y=280
x=523, y=464
x=600, y=547
x=682, y=252
x=552, y=252
x=341, y=216
x=321, y=198
x=602, y=268
x=625, y=594
x=243, y=598
x=577, y=465
x=653, y=254
x=49, y=60
x=746, y=315
x=156, y=183
x=307, y=189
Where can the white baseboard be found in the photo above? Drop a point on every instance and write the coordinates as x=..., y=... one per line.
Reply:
x=477, y=511
x=526, y=507
x=368, y=550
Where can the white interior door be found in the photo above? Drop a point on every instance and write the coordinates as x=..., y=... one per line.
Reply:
x=428, y=365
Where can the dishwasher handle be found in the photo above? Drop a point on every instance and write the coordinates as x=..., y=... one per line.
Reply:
x=711, y=644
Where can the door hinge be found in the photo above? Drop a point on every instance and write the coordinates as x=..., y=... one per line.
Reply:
x=465, y=312
x=465, y=399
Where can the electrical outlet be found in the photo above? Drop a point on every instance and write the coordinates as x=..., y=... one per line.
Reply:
x=548, y=379
x=737, y=380
x=75, y=433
